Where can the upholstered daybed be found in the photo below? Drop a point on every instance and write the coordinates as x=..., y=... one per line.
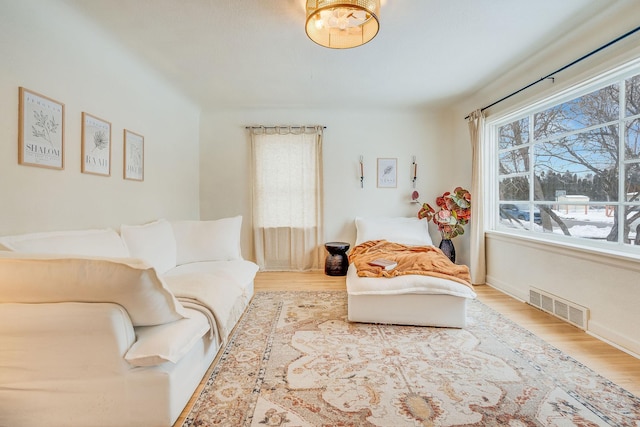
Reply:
x=412, y=299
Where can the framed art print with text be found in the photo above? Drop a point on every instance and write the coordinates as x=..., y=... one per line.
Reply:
x=40, y=131
x=387, y=173
x=133, y=156
x=96, y=145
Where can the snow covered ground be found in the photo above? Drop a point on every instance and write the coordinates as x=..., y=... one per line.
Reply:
x=601, y=219
x=599, y=230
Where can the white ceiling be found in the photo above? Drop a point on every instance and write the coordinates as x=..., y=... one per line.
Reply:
x=255, y=53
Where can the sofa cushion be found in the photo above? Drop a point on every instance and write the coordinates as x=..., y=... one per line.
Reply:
x=406, y=231
x=240, y=272
x=153, y=242
x=26, y=278
x=167, y=343
x=216, y=240
x=101, y=243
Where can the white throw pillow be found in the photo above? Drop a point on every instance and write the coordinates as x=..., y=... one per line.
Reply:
x=156, y=345
x=132, y=283
x=406, y=231
x=102, y=243
x=217, y=240
x=153, y=242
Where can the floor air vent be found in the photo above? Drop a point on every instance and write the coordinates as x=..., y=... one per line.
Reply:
x=571, y=312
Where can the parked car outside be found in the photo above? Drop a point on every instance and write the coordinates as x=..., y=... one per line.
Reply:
x=520, y=212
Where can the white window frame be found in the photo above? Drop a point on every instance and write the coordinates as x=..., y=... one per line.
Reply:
x=491, y=160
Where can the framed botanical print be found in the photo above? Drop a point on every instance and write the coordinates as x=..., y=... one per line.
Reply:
x=387, y=173
x=133, y=156
x=40, y=130
x=96, y=145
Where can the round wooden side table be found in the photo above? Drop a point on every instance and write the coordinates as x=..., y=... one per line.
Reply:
x=337, y=261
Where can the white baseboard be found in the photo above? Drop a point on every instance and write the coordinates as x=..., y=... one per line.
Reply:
x=623, y=343
x=505, y=288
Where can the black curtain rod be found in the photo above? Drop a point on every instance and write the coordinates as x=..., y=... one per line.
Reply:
x=582, y=58
x=273, y=127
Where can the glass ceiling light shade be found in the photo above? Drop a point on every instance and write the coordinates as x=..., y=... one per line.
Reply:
x=342, y=24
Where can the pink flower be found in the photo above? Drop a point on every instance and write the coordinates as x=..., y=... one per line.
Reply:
x=455, y=211
x=444, y=215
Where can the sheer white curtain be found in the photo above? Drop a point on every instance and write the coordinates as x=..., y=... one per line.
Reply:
x=287, y=197
x=477, y=251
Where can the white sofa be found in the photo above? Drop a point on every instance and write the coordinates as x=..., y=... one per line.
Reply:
x=99, y=328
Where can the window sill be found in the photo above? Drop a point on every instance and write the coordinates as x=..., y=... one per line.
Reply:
x=601, y=256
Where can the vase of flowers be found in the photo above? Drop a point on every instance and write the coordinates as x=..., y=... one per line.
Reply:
x=454, y=211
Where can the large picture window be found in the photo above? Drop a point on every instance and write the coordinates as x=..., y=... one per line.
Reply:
x=569, y=168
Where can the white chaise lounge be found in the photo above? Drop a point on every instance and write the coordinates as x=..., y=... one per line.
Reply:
x=409, y=299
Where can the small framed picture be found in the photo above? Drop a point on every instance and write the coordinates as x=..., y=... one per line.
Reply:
x=133, y=156
x=387, y=173
x=96, y=145
x=40, y=131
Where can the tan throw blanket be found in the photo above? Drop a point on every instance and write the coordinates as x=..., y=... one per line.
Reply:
x=209, y=292
x=421, y=260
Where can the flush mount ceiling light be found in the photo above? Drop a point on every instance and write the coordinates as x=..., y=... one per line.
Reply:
x=341, y=24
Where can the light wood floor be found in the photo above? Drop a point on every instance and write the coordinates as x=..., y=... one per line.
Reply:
x=616, y=365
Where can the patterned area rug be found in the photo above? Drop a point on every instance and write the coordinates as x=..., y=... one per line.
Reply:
x=295, y=360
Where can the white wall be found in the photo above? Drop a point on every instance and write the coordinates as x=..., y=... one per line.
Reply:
x=49, y=48
x=225, y=187
x=607, y=285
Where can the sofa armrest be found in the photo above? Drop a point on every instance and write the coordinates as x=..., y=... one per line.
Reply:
x=63, y=340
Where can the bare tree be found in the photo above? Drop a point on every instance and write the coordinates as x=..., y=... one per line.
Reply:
x=578, y=142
